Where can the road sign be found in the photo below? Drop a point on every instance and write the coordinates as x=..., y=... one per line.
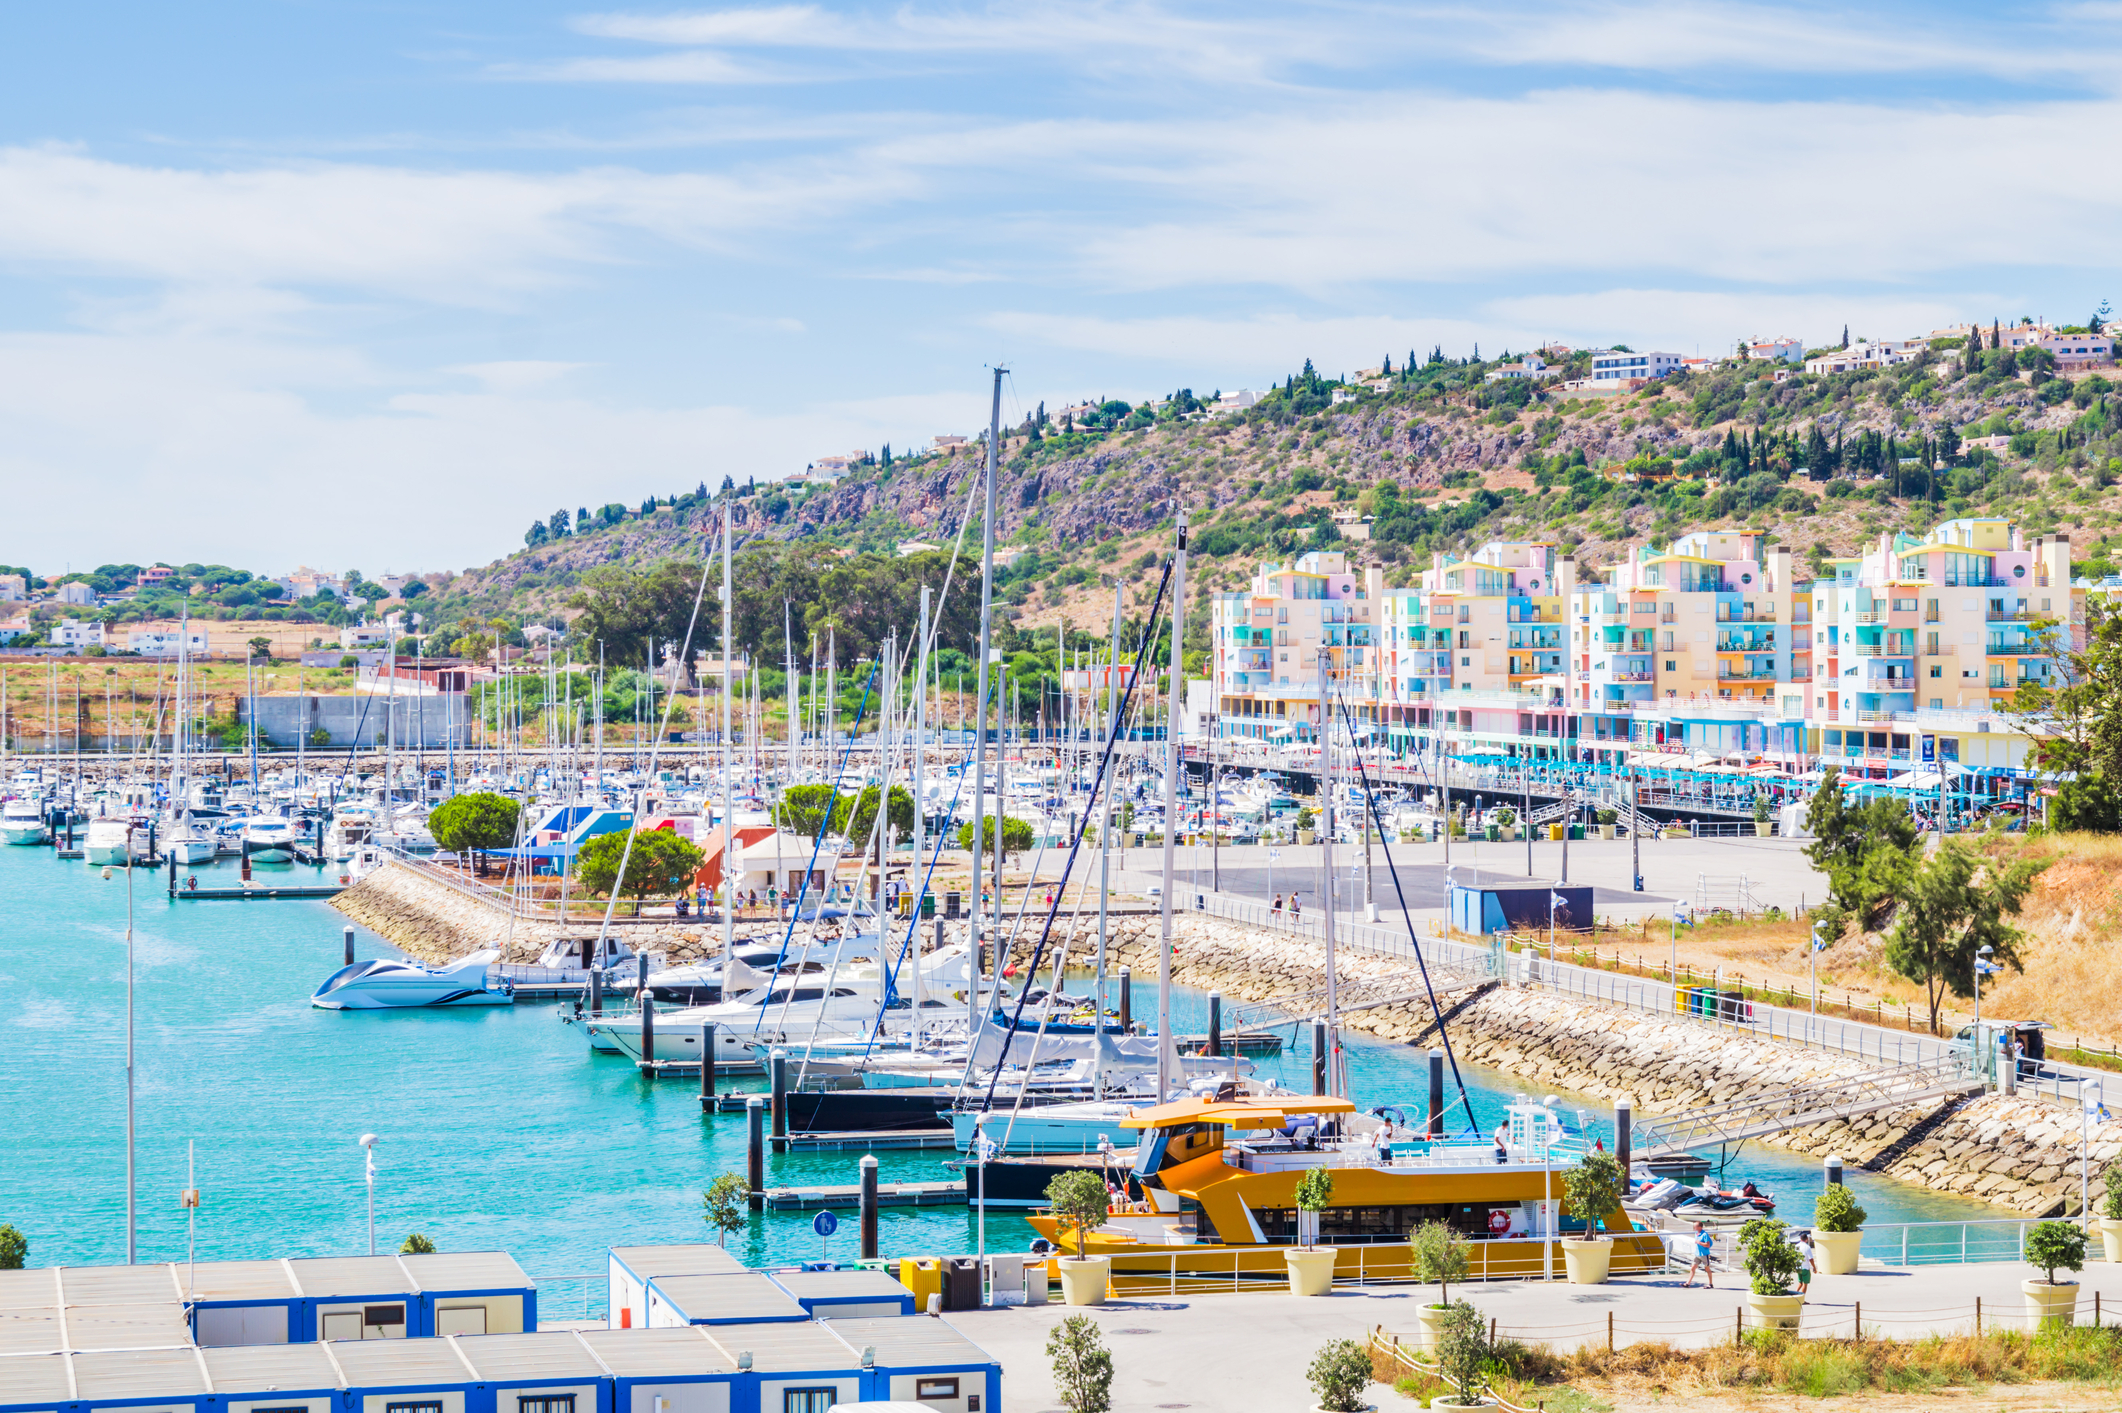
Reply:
x=825, y=1224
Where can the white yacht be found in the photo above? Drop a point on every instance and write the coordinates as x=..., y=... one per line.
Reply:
x=788, y=1013
x=106, y=841
x=392, y=984
x=186, y=842
x=352, y=826
x=22, y=822
x=269, y=838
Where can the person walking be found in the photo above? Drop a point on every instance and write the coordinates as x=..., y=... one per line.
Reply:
x=1704, y=1244
x=1274, y=914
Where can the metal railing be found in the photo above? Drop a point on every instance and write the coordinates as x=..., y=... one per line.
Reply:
x=1812, y=1102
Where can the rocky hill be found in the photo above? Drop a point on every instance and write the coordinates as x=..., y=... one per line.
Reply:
x=1438, y=459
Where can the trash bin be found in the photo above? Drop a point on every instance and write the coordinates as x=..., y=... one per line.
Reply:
x=923, y=1275
x=961, y=1283
x=1554, y=833
x=928, y=905
x=1576, y=831
x=953, y=905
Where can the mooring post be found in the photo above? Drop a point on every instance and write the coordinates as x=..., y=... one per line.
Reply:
x=869, y=1206
x=648, y=1031
x=1624, y=1133
x=1436, y=1094
x=755, y=1139
x=1215, y=1023
x=1319, y=1055
x=707, y=1067
x=777, y=1068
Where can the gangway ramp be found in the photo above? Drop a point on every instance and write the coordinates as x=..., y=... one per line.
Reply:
x=1357, y=995
x=1810, y=1102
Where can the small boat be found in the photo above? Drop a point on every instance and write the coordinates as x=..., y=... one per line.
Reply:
x=110, y=838
x=269, y=839
x=391, y=984
x=22, y=822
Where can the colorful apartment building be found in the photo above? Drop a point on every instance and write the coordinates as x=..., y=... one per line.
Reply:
x=1268, y=642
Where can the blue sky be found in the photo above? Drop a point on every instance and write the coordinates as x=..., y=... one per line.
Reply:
x=374, y=284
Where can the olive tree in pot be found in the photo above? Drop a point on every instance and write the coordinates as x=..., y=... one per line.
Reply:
x=1339, y=1373
x=1311, y=1266
x=1463, y=1357
x=2053, y=1246
x=1838, y=1229
x=1762, y=827
x=1507, y=823
x=2111, y=1212
x=1438, y=1255
x=1591, y=1190
x=1078, y=1200
x=1771, y=1264
x=1305, y=833
x=1607, y=820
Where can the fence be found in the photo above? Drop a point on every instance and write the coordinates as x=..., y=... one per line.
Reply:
x=573, y=1297
x=1225, y=1269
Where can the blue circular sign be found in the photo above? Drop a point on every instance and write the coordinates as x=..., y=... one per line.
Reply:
x=825, y=1224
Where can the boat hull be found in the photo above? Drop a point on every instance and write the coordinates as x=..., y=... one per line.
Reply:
x=23, y=832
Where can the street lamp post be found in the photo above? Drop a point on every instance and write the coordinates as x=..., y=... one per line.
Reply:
x=1982, y=967
x=368, y=1148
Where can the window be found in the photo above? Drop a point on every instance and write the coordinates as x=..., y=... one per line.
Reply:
x=935, y=1388
x=1671, y=666
x=435, y=1407
x=1936, y=670
x=808, y=1400
x=546, y=1403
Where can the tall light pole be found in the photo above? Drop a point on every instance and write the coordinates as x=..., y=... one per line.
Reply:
x=1982, y=969
x=368, y=1148
x=131, y=1206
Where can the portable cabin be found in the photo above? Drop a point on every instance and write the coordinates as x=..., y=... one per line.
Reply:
x=535, y=1373
x=748, y=1297
x=918, y=1360
x=281, y=1378
x=799, y=1367
x=683, y=1368
x=404, y=1376
x=1530, y=907
x=631, y=1268
x=845, y=1295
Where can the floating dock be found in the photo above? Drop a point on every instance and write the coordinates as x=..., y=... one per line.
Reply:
x=889, y=1194
x=866, y=1140
x=257, y=892
x=1248, y=1042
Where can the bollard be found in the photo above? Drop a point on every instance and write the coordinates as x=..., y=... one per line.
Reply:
x=596, y=992
x=755, y=1156
x=1127, y=1001
x=869, y=1206
x=1319, y=1056
x=1624, y=1132
x=1215, y=1023
x=1834, y=1170
x=348, y=933
x=641, y=972
x=707, y=1066
x=648, y=1031
x=777, y=1068
x=1436, y=1094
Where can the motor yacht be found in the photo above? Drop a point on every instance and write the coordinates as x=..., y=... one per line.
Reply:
x=22, y=822
x=269, y=838
x=391, y=984
x=789, y=1012
x=352, y=826
x=186, y=842
x=113, y=839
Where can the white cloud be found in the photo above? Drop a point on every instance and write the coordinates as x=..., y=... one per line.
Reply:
x=515, y=375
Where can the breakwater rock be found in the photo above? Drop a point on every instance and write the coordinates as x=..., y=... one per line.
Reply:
x=2018, y=1152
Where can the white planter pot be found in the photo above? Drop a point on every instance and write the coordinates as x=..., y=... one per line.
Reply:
x=1838, y=1251
x=1762, y=831
x=1606, y=831
x=1084, y=1281
x=1587, y=1259
x=1772, y=1312
x=1455, y=1400
x=1307, y=836
x=1311, y=1269
x=2050, y=1304
x=2111, y=1238
x=1509, y=832
x=1430, y=1322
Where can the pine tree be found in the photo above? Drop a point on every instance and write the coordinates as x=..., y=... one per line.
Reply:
x=1477, y=352
x=1309, y=375
x=1845, y=336
x=887, y=454
x=1387, y=370
x=581, y=519
x=1996, y=339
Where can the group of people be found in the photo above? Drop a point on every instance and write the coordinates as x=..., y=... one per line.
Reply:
x=1296, y=910
x=1705, y=1245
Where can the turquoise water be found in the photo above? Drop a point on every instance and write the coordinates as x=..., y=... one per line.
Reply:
x=496, y=1128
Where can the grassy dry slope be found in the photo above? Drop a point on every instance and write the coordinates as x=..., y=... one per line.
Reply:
x=1446, y=462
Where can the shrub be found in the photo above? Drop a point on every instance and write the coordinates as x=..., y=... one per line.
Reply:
x=1438, y=1254
x=2055, y=1246
x=1770, y=1258
x=1462, y=1349
x=14, y=1248
x=1836, y=1210
x=1083, y=1366
x=417, y=1244
x=1593, y=1188
x=1339, y=1373
x=1314, y=1191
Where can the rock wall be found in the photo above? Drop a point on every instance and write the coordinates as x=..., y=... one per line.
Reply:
x=427, y=919
x=2016, y=1152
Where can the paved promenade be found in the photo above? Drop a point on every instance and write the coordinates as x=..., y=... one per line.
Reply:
x=1250, y=1351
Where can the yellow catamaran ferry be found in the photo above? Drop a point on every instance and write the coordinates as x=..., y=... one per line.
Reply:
x=1217, y=1181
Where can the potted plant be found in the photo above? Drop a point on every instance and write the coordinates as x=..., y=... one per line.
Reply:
x=1437, y=1254
x=2053, y=1246
x=1592, y=1190
x=1339, y=1373
x=1837, y=1220
x=2111, y=1213
x=1762, y=828
x=1607, y=820
x=1771, y=1264
x=1507, y=823
x=1078, y=1201
x=1305, y=833
x=1083, y=1366
x=1311, y=1266
x=1463, y=1356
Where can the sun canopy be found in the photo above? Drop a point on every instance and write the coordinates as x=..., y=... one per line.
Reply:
x=1237, y=1114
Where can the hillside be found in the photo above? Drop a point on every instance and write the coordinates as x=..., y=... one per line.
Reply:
x=1441, y=461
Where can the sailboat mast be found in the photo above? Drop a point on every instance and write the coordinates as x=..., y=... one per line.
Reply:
x=917, y=878
x=729, y=837
x=1165, y=1052
x=1326, y=856
x=987, y=611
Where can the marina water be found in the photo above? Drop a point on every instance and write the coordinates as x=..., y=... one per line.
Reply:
x=496, y=1129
